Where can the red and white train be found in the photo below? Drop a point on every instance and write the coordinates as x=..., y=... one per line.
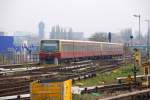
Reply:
x=54, y=51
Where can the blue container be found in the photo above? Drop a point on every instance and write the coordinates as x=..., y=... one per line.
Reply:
x=6, y=44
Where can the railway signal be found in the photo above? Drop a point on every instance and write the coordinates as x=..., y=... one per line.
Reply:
x=137, y=57
x=146, y=70
x=129, y=80
x=137, y=61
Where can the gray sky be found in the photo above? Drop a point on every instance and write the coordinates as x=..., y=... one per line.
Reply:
x=87, y=16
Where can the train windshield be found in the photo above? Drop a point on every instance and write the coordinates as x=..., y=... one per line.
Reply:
x=49, y=47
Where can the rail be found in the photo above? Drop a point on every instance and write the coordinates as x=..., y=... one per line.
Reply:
x=137, y=95
x=47, y=73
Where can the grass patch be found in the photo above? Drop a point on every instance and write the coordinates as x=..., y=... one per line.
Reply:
x=84, y=97
x=108, y=77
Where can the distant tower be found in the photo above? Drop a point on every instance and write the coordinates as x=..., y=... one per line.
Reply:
x=41, y=29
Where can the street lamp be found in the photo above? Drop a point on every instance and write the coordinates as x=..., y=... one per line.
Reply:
x=139, y=16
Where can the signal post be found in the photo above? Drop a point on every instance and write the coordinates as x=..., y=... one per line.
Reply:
x=146, y=72
x=137, y=62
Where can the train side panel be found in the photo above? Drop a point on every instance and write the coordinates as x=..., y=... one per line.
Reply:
x=75, y=49
x=66, y=49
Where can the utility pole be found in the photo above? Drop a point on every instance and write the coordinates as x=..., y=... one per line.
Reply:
x=148, y=56
x=139, y=16
x=135, y=69
x=132, y=59
x=148, y=37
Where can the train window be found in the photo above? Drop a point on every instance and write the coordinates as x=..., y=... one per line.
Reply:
x=49, y=46
x=68, y=47
x=65, y=47
x=92, y=47
x=84, y=47
x=77, y=47
x=104, y=47
x=80, y=47
x=96, y=47
x=74, y=47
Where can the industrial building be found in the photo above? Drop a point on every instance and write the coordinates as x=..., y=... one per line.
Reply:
x=58, y=32
x=1, y=33
x=6, y=43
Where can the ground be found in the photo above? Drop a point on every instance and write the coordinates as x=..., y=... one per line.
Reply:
x=103, y=78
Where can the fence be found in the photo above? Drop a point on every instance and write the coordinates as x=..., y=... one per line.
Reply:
x=14, y=58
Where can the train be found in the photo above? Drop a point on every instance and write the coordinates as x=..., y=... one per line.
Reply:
x=57, y=50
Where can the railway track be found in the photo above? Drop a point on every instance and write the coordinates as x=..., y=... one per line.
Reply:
x=68, y=67
x=11, y=66
x=75, y=72
x=136, y=95
x=106, y=88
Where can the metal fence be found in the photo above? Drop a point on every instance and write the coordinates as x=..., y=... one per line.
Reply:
x=14, y=58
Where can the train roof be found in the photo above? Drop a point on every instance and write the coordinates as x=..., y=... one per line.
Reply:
x=81, y=41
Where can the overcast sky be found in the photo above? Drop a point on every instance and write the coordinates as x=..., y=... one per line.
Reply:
x=88, y=16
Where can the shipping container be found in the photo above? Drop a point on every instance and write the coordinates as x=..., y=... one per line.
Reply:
x=51, y=90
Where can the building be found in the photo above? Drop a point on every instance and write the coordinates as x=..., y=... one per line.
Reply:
x=29, y=42
x=1, y=33
x=76, y=36
x=41, y=29
x=6, y=44
x=58, y=32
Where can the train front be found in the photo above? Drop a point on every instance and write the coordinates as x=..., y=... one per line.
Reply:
x=49, y=51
